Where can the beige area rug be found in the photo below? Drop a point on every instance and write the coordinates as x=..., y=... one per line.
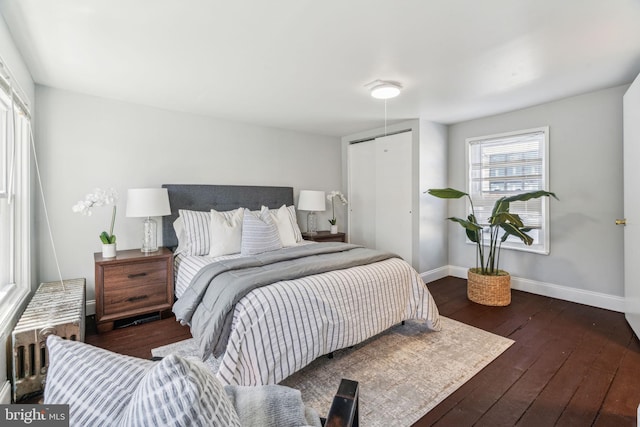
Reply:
x=403, y=372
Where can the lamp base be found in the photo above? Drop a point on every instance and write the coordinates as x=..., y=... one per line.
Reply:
x=149, y=236
x=312, y=224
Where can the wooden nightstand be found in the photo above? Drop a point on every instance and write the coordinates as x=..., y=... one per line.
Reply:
x=325, y=236
x=131, y=284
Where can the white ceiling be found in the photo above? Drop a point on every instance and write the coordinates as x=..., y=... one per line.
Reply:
x=303, y=64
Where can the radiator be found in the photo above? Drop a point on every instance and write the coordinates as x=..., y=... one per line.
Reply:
x=53, y=309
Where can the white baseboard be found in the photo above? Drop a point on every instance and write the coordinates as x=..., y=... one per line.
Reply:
x=5, y=393
x=433, y=275
x=566, y=293
x=90, y=307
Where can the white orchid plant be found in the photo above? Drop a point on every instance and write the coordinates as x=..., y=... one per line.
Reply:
x=331, y=197
x=98, y=198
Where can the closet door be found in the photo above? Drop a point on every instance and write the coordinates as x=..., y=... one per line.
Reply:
x=380, y=194
x=362, y=194
x=393, y=195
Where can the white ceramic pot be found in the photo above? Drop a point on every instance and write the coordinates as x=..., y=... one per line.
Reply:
x=108, y=250
x=334, y=229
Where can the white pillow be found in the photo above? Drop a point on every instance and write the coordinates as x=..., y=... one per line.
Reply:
x=282, y=220
x=259, y=233
x=226, y=232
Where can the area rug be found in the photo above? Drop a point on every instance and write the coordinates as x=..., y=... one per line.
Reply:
x=403, y=372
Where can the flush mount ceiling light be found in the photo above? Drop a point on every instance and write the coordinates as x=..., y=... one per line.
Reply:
x=382, y=89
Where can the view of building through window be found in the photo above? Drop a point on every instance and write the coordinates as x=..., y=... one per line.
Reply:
x=508, y=164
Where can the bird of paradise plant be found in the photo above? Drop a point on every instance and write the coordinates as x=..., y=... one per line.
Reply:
x=488, y=258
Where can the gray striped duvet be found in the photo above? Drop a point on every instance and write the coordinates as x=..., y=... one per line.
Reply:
x=278, y=329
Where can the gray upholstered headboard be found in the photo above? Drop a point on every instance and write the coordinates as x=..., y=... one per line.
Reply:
x=220, y=198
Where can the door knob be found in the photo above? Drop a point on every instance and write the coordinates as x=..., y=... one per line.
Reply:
x=621, y=221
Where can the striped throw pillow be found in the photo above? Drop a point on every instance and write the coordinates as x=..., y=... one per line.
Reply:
x=294, y=223
x=96, y=384
x=180, y=392
x=259, y=233
x=196, y=229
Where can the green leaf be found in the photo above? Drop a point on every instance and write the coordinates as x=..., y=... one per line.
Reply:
x=466, y=224
x=501, y=205
x=506, y=217
x=106, y=239
x=446, y=193
x=518, y=232
x=523, y=197
x=473, y=235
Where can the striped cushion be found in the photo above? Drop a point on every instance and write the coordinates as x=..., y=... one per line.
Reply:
x=180, y=392
x=294, y=223
x=195, y=232
x=96, y=384
x=259, y=233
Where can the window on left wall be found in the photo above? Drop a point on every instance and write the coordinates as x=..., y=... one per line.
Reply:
x=14, y=201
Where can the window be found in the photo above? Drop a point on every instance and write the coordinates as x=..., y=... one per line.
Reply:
x=507, y=164
x=14, y=200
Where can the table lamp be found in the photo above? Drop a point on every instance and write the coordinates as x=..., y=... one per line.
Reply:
x=148, y=202
x=312, y=201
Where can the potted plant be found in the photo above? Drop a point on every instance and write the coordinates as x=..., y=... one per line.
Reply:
x=487, y=284
x=98, y=198
x=331, y=197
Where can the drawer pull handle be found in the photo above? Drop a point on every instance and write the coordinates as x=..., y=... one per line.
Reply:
x=138, y=298
x=133, y=276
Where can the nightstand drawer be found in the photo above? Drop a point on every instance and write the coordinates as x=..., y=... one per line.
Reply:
x=120, y=300
x=133, y=275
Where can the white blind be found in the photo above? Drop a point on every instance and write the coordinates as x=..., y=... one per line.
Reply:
x=506, y=165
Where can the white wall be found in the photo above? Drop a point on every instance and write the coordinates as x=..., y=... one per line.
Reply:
x=586, y=248
x=85, y=142
x=433, y=174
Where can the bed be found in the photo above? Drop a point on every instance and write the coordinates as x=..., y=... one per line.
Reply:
x=265, y=314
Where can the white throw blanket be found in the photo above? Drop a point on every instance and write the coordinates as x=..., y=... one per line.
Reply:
x=271, y=405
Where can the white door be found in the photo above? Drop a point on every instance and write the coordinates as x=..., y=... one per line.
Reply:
x=362, y=193
x=631, y=153
x=394, y=195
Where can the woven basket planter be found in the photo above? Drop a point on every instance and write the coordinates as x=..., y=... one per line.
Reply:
x=489, y=290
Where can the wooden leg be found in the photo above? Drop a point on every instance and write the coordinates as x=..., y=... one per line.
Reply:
x=104, y=327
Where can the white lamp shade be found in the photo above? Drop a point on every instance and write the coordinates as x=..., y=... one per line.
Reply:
x=311, y=200
x=146, y=202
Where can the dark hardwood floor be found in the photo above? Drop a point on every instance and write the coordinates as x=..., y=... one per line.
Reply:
x=570, y=364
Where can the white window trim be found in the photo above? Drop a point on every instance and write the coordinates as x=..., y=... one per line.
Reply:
x=542, y=249
x=13, y=295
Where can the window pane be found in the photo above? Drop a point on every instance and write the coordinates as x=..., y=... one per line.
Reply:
x=505, y=165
